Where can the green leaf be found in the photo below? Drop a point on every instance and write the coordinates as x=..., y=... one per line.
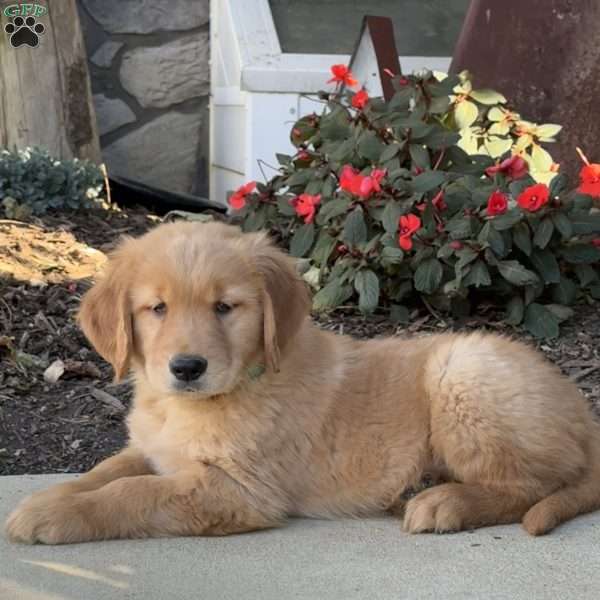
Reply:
x=283, y=159
x=564, y=292
x=508, y=220
x=487, y=97
x=478, y=275
x=332, y=208
x=540, y=159
x=584, y=223
x=562, y=313
x=370, y=146
x=419, y=156
x=441, y=138
x=313, y=187
x=284, y=207
x=581, y=253
x=465, y=114
x=586, y=274
x=391, y=215
x=459, y=227
x=489, y=235
x=323, y=248
x=391, y=256
x=515, y=309
x=546, y=265
x=331, y=295
x=522, y=238
x=399, y=314
x=558, y=185
x=355, y=228
x=302, y=240
x=515, y=273
x=547, y=130
x=335, y=125
x=428, y=276
x=390, y=152
x=541, y=322
x=427, y=181
x=366, y=284
x=496, y=114
x=562, y=224
x=301, y=177
x=543, y=233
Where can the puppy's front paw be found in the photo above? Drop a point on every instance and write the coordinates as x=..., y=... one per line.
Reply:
x=437, y=509
x=49, y=519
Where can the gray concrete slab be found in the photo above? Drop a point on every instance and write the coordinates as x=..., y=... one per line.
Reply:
x=308, y=560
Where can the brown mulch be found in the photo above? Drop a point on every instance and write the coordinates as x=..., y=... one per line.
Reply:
x=60, y=411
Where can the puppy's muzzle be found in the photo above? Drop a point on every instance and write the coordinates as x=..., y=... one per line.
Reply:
x=188, y=367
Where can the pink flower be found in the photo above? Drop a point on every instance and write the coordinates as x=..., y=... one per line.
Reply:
x=342, y=74
x=497, y=204
x=409, y=224
x=306, y=206
x=237, y=200
x=361, y=185
x=360, y=99
x=438, y=201
x=514, y=167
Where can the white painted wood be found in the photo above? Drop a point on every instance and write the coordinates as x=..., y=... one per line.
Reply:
x=257, y=92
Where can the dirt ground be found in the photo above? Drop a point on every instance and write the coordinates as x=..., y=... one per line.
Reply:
x=60, y=411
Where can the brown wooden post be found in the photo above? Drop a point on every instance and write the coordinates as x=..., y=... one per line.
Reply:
x=45, y=93
x=543, y=55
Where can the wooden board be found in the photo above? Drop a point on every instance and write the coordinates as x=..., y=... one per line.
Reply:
x=45, y=92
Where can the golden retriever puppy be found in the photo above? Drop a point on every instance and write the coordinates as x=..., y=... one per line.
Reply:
x=245, y=413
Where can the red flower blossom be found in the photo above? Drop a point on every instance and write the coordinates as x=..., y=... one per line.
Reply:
x=342, y=74
x=534, y=197
x=497, y=204
x=409, y=224
x=403, y=81
x=589, y=178
x=306, y=206
x=456, y=245
x=360, y=99
x=596, y=242
x=361, y=185
x=237, y=200
x=514, y=167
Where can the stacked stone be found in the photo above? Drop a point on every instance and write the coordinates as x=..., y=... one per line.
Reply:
x=149, y=64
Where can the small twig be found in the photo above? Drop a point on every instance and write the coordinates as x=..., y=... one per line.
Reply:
x=108, y=399
x=582, y=155
x=584, y=373
x=104, y=172
x=430, y=308
x=439, y=160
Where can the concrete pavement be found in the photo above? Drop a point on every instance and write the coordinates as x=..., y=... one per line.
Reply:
x=308, y=560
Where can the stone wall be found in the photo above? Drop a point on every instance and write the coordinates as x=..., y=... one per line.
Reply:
x=149, y=65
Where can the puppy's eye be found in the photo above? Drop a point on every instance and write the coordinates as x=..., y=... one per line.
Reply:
x=221, y=308
x=159, y=309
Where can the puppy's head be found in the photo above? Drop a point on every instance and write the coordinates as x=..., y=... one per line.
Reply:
x=193, y=308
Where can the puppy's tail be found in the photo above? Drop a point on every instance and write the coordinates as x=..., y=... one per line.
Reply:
x=570, y=501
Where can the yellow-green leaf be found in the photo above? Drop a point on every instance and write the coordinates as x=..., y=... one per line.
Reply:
x=465, y=114
x=487, y=96
x=523, y=142
x=547, y=130
x=500, y=128
x=468, y=142
x=497, y=146
x=496, y=114
x=540, y=159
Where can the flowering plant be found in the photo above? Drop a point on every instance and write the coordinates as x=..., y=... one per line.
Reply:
x=442, y=195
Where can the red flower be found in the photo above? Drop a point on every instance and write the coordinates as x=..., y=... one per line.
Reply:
x=403, y=81
x=456, y=245
x=306, y=206
x=361, y=185
x=497, y=204
x=514, y=167
x=534, y=197
x=596, y=242
x=589, y=178
x=438, y=201
x=237, y=200
x=360, y=99
x=342, y=74
x=409, y=224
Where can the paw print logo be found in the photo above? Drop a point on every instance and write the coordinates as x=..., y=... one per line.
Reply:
x=24, y=32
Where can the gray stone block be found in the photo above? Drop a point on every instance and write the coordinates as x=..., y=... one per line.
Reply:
x=103, y=57
x=161, y=152
x=147, y=16
x=111, y=113
x=164, y=75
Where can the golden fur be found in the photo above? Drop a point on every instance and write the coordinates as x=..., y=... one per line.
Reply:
x=332, y=427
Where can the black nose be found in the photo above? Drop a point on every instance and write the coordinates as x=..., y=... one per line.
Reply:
x=187, y=367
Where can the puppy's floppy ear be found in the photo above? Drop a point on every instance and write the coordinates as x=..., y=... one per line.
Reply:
x=286, y=301
x=105, y=314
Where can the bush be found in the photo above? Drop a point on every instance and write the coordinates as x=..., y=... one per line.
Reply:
x=31, y=181
x=441, y=195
